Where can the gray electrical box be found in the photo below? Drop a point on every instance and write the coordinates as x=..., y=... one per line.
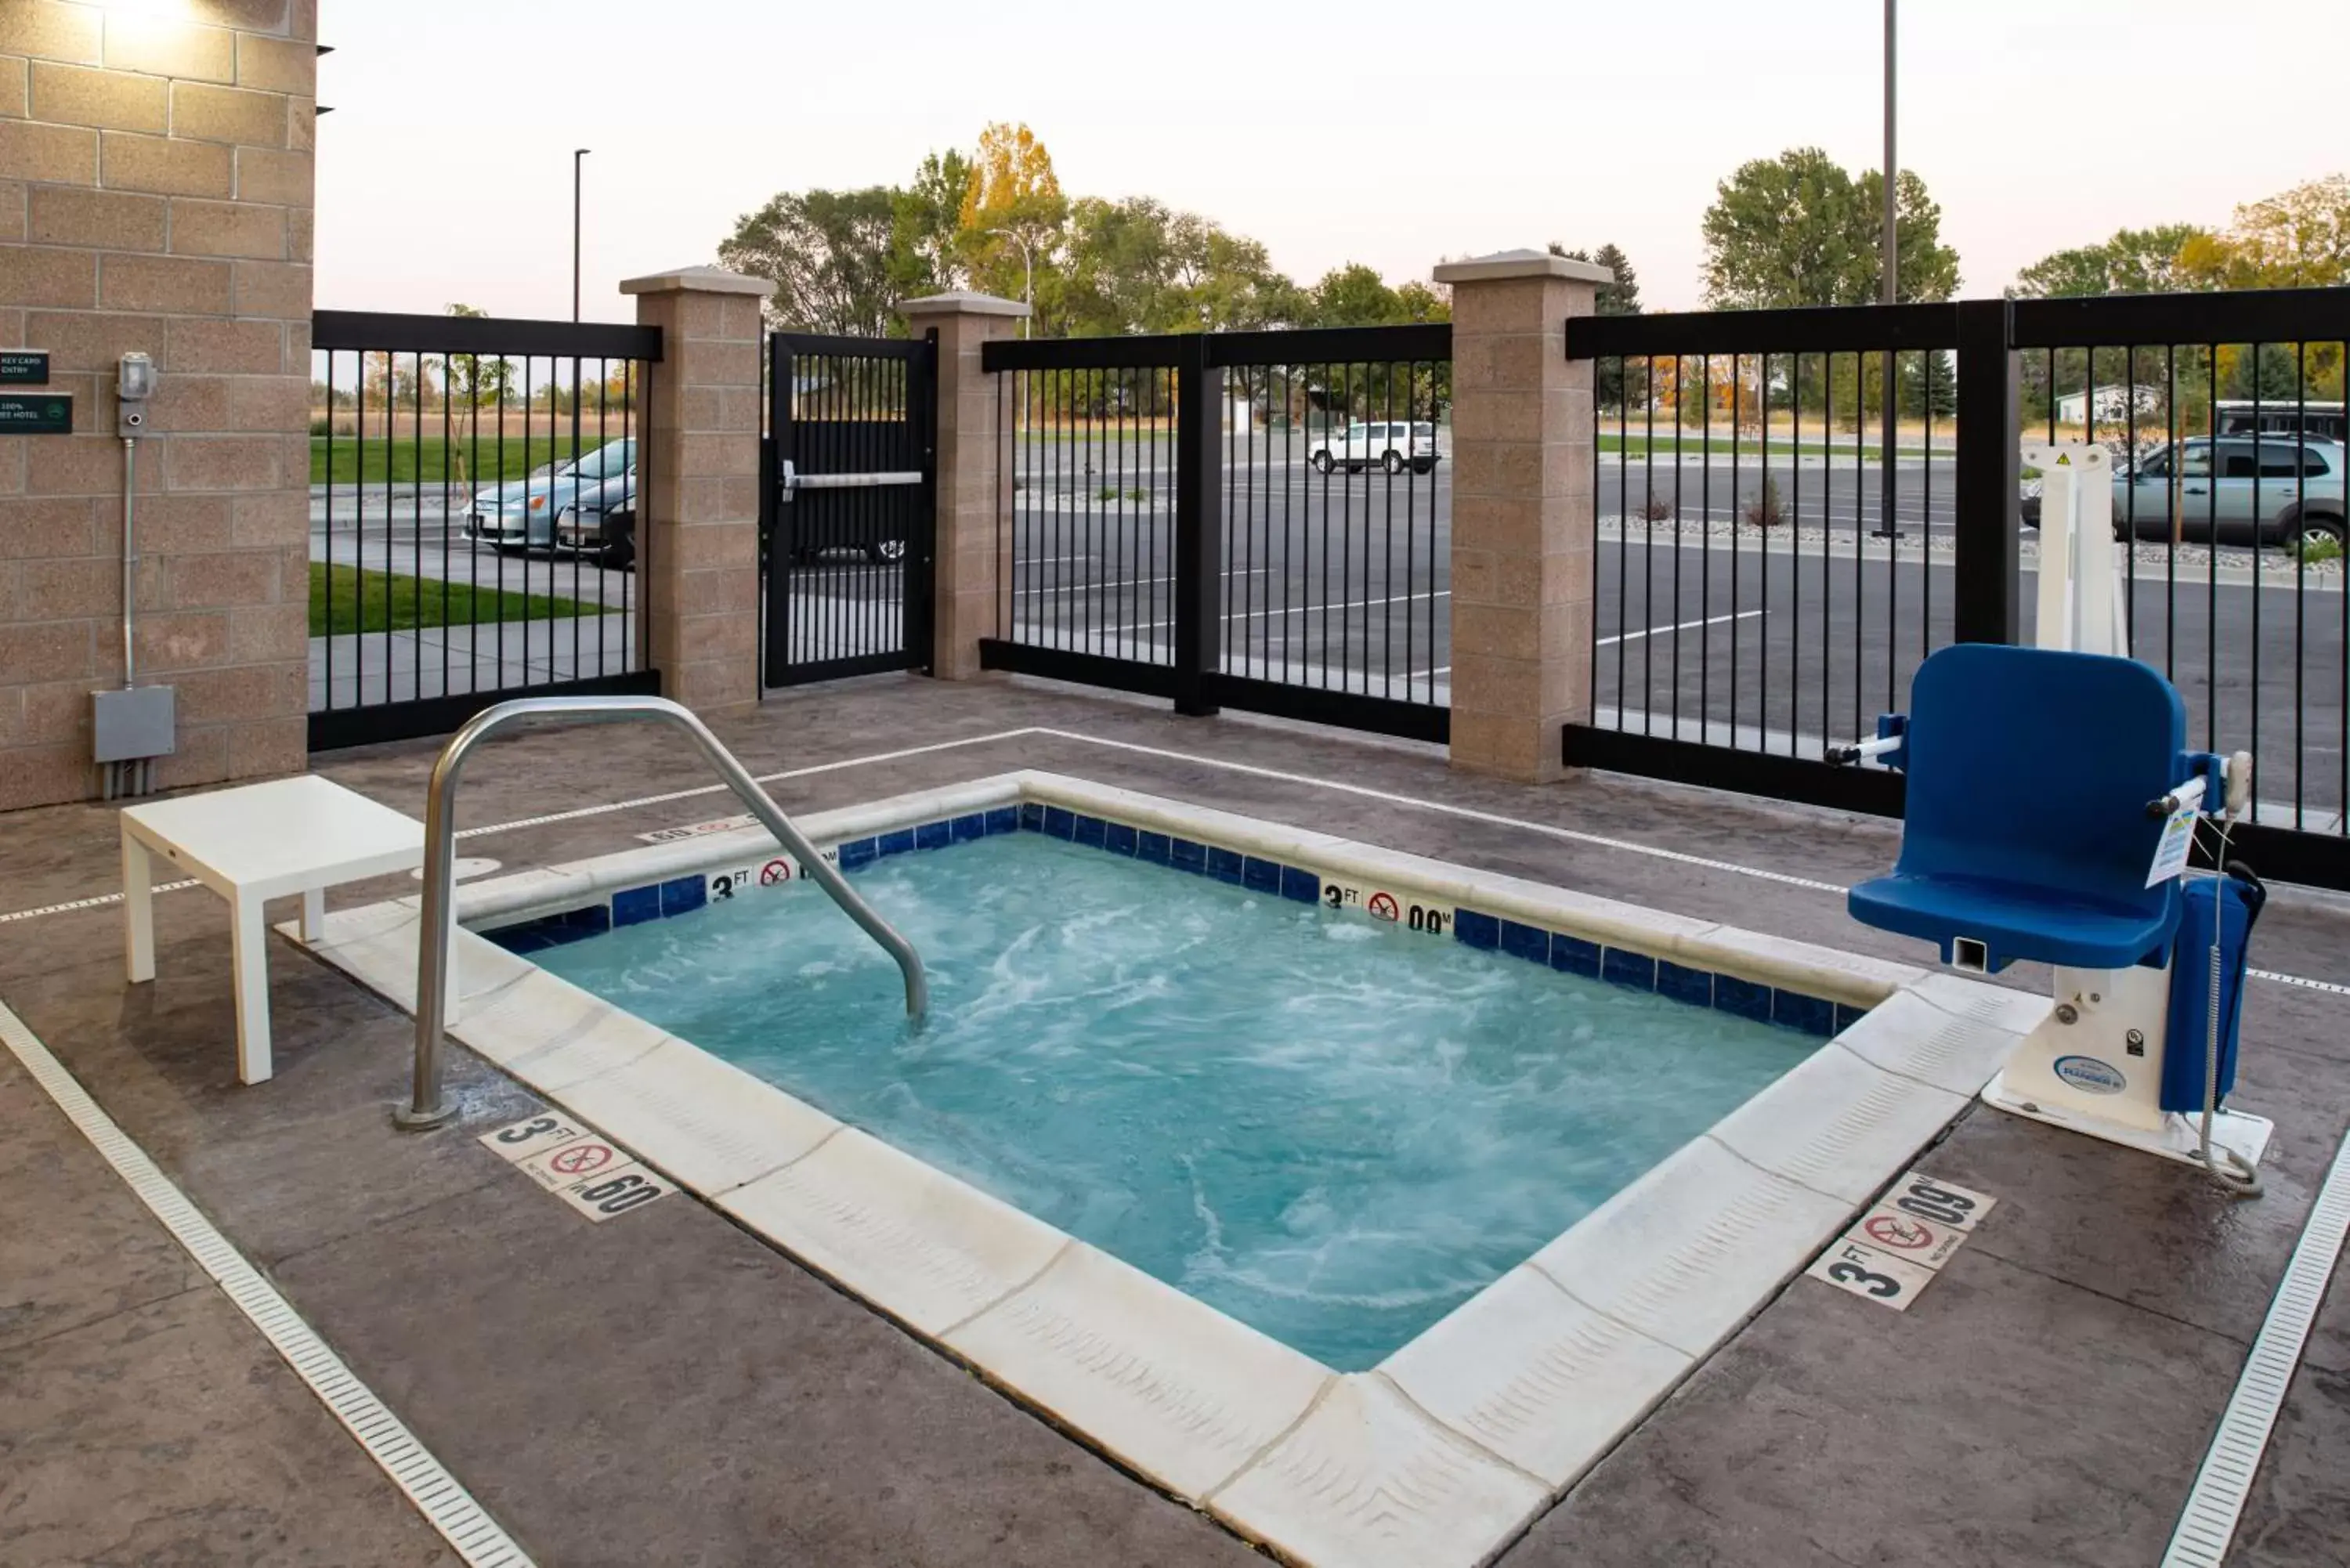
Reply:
x=137, y=721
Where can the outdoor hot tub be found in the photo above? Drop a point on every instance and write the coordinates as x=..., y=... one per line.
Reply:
x=1362, y=1200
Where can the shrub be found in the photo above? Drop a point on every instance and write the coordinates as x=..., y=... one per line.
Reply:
x=1763, y=511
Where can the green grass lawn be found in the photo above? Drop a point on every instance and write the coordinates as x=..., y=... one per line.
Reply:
x=377, y=601
x=478, y=460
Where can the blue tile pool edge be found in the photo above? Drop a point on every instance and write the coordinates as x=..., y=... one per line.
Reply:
x=1571, y=952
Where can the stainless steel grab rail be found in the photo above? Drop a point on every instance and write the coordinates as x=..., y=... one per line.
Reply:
x=433, y=937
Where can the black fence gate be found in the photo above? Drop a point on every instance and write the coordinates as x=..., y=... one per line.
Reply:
x=848, y=506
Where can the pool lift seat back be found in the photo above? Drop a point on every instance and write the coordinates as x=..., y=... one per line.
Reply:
x=2051, y=799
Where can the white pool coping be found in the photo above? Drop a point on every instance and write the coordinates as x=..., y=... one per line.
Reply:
x=1447, y=1450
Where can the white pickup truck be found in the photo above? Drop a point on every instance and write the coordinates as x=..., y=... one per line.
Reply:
x=1390, y=445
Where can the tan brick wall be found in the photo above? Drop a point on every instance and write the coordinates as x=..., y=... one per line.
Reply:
x=1522, y=504
x=698, y=519
x=156, y=196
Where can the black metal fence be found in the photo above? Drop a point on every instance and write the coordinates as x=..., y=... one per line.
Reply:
x=1770, y=568
x=474, y=495
x=1257, y=520
x=2225, y=416
x=1793, y=509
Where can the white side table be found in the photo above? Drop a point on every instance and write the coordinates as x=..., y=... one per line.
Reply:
x=251, y=844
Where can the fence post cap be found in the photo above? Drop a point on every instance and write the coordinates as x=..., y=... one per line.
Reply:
x=1520, y=264
x=961, y=302
x=700, y=279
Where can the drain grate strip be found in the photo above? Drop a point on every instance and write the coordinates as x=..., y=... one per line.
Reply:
x=448, y=1506
x=2208, y=1524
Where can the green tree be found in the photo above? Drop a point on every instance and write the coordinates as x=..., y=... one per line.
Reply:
x=475, y=381
x=1354, y=296
x=1135, y=265
x=2134, y=261
x=1930, y=386
x=1797, y=230
x=1357, y=295
x=830, y=254
x=925, y=219
x=1620, y=298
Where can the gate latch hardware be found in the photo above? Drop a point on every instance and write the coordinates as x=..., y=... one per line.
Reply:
x=793, y=479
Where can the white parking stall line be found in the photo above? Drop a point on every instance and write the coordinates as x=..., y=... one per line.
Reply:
x=1066, y=588
x=1678, y=625
x=1302, y=609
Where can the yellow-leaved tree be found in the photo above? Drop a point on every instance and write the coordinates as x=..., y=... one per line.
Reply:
x=1012, y=198
x=2300, y=239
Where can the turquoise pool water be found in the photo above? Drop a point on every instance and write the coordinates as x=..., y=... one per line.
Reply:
x=1333, y=1130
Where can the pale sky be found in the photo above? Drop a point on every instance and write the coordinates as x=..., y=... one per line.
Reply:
x=1371, y=130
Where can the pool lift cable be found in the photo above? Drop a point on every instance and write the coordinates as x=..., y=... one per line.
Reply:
x=436, y=936
x=2059, y=1074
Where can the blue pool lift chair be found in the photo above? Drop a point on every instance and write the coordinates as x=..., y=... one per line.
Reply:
x=2037, y=788
x=2041, y=782
x=2051, y=799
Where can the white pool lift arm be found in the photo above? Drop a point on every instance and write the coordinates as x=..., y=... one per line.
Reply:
x=436, y=936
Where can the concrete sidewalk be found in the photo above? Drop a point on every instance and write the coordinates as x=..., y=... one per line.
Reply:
x=146, y=1419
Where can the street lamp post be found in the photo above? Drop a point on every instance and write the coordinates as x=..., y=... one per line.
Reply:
x=1889, y=292
x=1028, y=280
x=576, y=154
x=1892, y=241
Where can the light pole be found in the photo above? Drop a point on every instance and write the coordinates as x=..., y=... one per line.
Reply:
x=1028, y=267
x=1889, y=292
x=576, y=154
x=1892, y=241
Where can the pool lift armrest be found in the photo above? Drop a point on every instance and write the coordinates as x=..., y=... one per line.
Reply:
x=1891, y=745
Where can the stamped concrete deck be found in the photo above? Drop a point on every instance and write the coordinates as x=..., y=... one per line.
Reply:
x=665, y=1389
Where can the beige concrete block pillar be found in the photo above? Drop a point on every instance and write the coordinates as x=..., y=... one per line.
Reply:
x=1521, y=498
x=698, y=520
x=973, y=558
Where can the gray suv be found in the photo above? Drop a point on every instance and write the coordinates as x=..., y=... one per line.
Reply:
x=2231, y=491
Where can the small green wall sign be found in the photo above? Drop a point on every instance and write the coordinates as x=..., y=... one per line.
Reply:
x=24, y=367
x=41, y=413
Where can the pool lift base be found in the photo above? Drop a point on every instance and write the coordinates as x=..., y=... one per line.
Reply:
x=2179, y=1138
x=2097, y=1062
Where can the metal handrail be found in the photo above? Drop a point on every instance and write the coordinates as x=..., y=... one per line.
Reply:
x=433, y=937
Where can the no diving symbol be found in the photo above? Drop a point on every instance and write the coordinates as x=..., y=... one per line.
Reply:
x=1383, y=905
x=1892, y=1231
x=580, y=1158
x=774, y=871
